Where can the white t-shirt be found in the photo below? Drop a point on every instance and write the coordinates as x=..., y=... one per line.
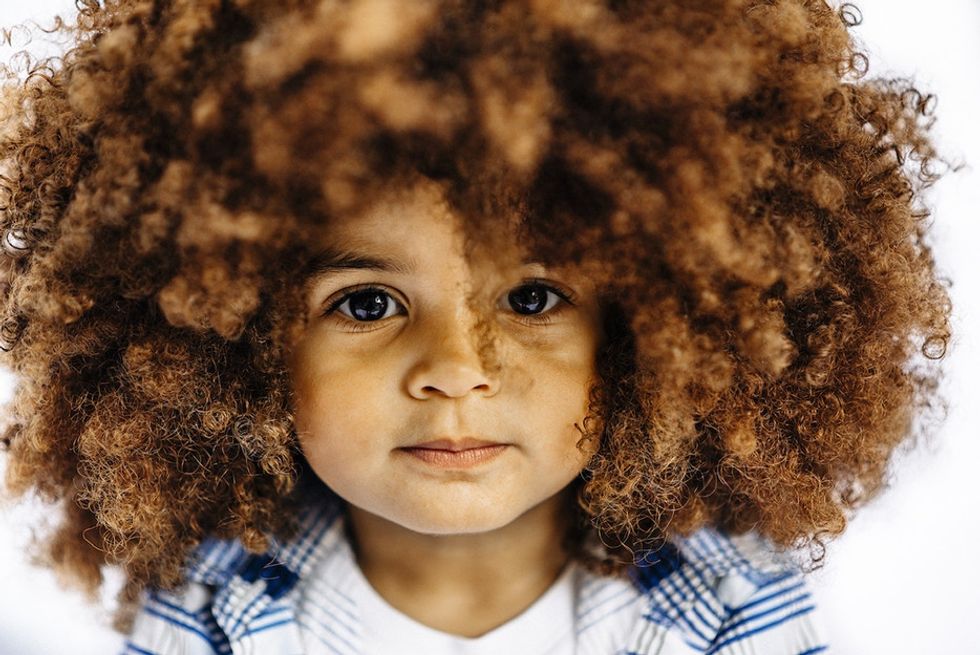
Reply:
x=544, y=628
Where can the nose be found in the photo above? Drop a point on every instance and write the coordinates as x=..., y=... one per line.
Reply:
x=448, y=360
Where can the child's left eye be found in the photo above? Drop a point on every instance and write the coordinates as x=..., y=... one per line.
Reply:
x=535, y=303
x=535, y=296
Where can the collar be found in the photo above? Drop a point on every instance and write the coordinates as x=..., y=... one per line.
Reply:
x=217, y=561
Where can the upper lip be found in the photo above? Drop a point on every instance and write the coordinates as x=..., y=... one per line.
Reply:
x=455, y=445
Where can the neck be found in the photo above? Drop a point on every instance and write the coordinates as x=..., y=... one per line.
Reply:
x=465, y=584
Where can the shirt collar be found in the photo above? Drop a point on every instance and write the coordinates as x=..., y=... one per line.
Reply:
x=216, y=561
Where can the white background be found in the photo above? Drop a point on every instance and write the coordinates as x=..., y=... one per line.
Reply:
x=901, y=580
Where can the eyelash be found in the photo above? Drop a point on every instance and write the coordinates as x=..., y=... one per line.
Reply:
x=567, y=296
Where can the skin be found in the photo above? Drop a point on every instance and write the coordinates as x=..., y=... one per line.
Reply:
x=442, y=545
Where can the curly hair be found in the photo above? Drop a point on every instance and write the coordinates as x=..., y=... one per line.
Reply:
x=747, y=201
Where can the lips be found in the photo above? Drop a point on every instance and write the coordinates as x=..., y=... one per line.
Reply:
x=455, y=454
x=455, y=445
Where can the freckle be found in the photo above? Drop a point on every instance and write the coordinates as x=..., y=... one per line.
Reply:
x=524, y=381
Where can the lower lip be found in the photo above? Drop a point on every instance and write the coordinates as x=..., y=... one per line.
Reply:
x=456, y=459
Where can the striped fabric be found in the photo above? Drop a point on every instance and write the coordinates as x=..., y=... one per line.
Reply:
x=709, y=593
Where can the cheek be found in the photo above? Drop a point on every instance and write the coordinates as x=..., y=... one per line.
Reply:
x=326, y=381
x=331, y=430
x=565, y=368
x=329, y=406
x=333, y=417
x=558, y=399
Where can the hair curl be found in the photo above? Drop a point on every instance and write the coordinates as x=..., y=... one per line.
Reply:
x=745, y=200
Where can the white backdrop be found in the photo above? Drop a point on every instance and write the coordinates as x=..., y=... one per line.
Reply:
x=901, y=580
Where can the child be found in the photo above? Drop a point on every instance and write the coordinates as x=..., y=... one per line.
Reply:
x=646, y=283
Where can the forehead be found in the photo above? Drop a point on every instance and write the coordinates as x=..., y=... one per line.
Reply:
x=411, y=228
x=396, y=218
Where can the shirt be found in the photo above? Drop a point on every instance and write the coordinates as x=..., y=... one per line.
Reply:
x=709, y=593
x=544, y=628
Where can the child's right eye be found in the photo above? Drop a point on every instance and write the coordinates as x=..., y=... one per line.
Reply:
x=366, y=304
x=363, y=305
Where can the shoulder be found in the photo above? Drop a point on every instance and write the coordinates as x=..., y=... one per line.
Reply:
x=230, y=595
x=727, y=593
x=179, y=621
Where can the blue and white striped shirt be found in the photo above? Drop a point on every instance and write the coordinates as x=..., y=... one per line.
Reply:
x=708, y=593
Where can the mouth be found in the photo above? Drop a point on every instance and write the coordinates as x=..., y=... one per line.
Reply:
x=456, y=445
x=462, y=458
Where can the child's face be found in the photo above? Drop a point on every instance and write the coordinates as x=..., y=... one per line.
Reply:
x=413, y=374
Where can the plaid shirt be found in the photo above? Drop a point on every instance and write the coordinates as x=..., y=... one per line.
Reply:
x=708, y=594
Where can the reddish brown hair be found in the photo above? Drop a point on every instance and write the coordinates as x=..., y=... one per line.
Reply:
x=749, y=205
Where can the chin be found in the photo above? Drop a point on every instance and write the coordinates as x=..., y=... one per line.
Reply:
x=455, y=523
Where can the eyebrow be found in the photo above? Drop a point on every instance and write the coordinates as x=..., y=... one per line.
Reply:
x=333, y=260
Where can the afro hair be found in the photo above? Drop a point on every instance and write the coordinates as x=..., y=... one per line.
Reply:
x=748, y=202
